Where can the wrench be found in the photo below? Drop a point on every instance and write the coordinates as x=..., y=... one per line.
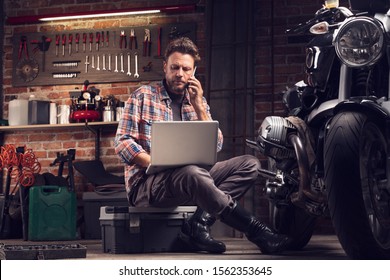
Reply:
x=104, y=62
x=93, y=61
x=116, y=63
x=128, y=65
x=98, y=63
x=122, y=71
x=136, y=75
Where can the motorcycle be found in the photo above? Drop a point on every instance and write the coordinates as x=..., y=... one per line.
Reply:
x=329, y=156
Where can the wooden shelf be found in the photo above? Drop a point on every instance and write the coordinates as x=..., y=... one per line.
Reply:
x=94, y=127
x=57, y=126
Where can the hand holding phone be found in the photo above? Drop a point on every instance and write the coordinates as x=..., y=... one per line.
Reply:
x=193, y=75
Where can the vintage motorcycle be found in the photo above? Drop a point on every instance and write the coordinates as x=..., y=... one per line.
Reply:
x=329, y=155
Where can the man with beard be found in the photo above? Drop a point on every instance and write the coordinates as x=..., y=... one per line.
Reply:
x=216, y=191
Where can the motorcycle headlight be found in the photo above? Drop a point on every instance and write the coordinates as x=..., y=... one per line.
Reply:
x=359, y=42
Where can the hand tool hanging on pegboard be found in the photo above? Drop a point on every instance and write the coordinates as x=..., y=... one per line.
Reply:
x=84, y=41
x=77, y=41
x=133, y=40
x=159, y=42
x=63, y=42
x=70, y=41
x=27, y=69
x=102, y=40
x=97, y=41
x=122, y=40
x=147, y=43
x=42, y=46
x=107, y=39
x=90, y=41
x=58, y=38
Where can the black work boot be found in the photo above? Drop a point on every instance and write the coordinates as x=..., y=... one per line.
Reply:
x=257, y=232
x=196, y=232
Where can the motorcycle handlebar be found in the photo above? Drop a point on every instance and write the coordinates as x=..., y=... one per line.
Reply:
x=323, y=14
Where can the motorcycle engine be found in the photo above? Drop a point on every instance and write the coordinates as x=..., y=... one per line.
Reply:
x=272, y=139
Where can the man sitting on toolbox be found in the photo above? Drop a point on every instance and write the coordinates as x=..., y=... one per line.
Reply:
x=216, y=191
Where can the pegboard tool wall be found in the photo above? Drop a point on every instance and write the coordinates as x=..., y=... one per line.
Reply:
x=100, y=56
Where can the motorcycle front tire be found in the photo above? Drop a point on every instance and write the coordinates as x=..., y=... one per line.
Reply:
x=355, y=160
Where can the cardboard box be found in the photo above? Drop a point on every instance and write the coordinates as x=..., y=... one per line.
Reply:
x=92, y=202
x=143, y=230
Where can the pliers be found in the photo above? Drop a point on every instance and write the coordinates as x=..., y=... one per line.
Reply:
x=133, y=40
x=147, y=43
x=122, y=39
x=23, y=46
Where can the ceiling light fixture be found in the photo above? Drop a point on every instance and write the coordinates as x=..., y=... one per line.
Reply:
x=99, y=14
x=92, y=15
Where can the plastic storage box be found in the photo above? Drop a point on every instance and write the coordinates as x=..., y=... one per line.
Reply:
x=92, y=202
x=143, y=230
x=38, y=112
x=52, y=213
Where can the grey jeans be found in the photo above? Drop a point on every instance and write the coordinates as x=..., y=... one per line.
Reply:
x=212, y=190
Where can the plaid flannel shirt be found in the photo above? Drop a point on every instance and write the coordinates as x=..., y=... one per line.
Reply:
x=144, y=106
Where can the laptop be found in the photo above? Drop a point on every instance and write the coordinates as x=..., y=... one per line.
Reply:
x=179, y=143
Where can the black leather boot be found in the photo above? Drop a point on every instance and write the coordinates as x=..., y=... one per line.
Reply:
x=196, y=232
x=257, y=232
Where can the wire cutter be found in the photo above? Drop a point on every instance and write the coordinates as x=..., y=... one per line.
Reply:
x=133, y=40
x=122, y=39
x=147, y=43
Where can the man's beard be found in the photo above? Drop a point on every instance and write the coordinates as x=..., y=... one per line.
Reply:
x=176, y=88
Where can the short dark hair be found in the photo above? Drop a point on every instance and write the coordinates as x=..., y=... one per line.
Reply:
x=182, y=45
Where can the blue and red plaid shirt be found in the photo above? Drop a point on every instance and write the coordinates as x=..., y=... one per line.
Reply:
x=144, y=106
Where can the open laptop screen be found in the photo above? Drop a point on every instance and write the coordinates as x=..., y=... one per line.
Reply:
x=178, y=143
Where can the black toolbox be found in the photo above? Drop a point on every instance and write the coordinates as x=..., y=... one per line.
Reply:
x=92, y=201
x=143, y=229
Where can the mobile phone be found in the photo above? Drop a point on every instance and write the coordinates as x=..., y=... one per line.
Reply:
x=193, y=75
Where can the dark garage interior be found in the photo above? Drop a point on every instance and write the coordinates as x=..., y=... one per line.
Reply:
x=247, y=62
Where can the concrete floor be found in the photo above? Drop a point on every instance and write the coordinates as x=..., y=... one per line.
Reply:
x=320, y=247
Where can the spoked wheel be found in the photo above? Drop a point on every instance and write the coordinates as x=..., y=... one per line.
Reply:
x=356, y=178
